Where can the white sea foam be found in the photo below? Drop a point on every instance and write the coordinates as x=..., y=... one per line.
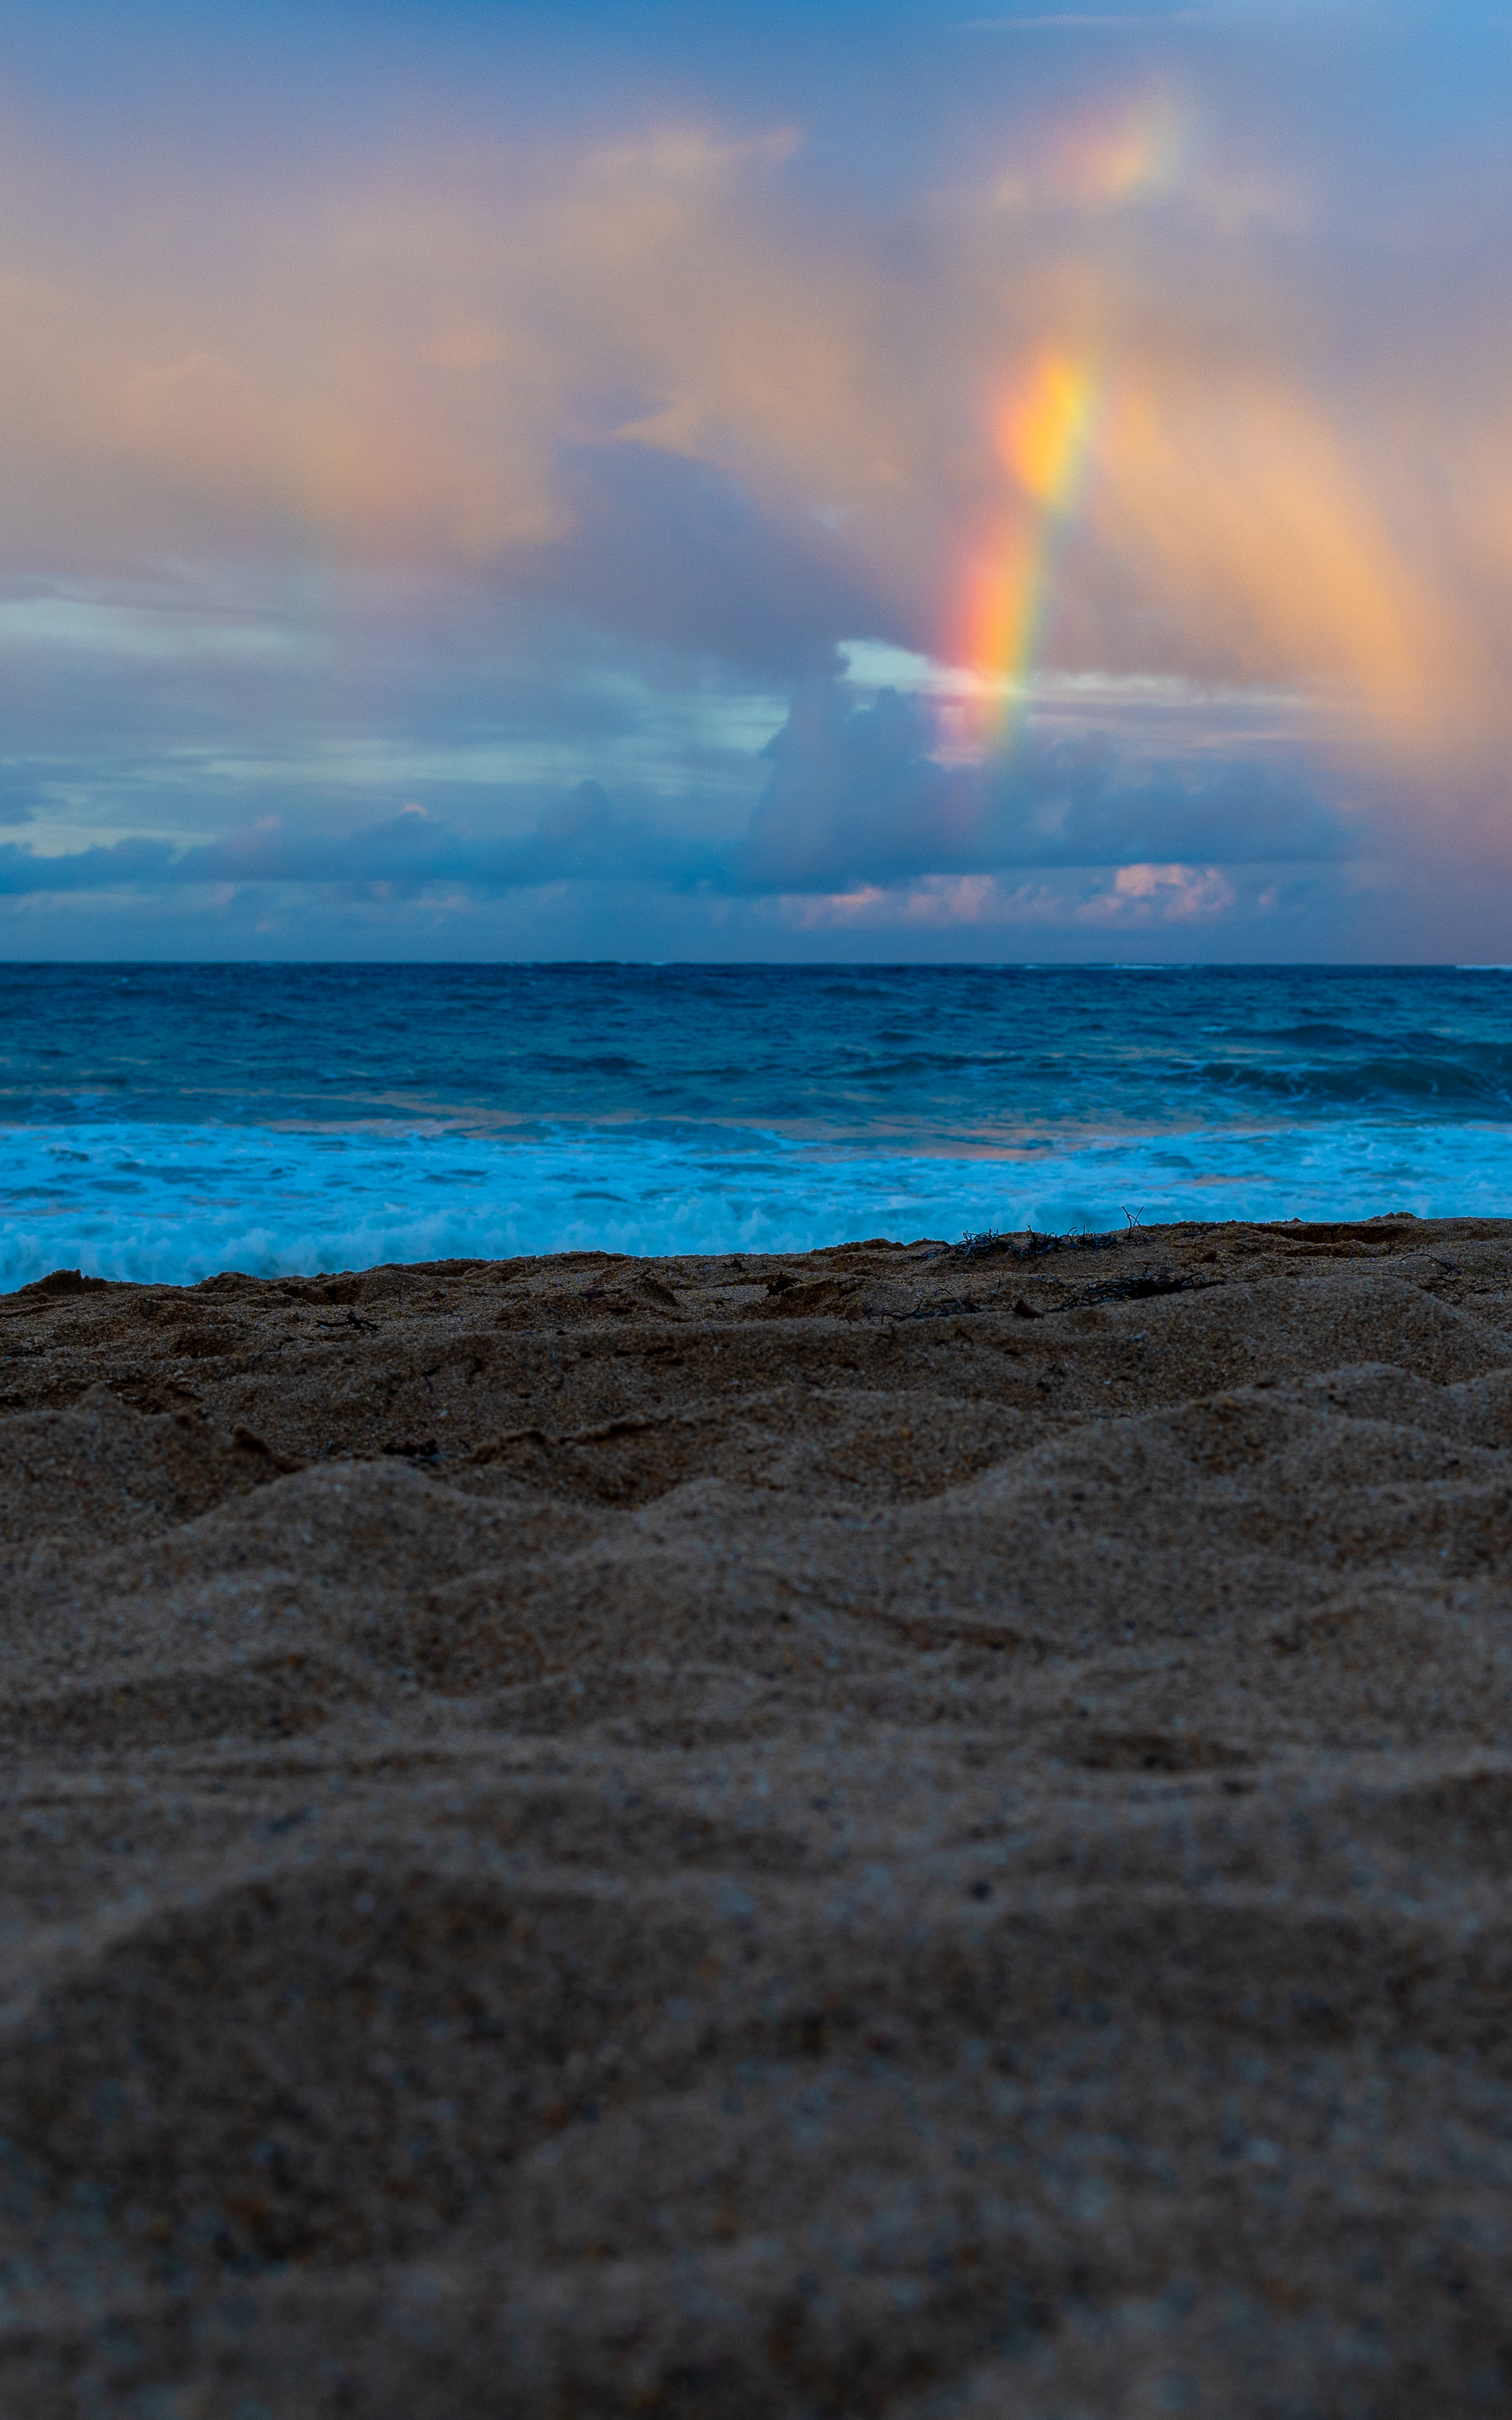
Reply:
x=179, y=1202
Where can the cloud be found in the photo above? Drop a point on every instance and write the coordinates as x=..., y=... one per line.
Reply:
x=1134, y=899
x=639, y=377
x=854, y=802
x=858, y=795
x=465, y=467
x=678, y=551
x=126, y=865
x=580, y=839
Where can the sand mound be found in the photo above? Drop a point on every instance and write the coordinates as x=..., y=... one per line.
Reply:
x=916, y=1831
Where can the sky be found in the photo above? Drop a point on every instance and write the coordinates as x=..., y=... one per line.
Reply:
x=756, y=482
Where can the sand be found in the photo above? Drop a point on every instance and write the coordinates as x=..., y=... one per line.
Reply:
x=908, y=1831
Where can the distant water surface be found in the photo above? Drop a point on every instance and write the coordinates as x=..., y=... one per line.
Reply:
x=166, y=1121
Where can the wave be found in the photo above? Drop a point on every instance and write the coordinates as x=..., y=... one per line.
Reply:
x=1444, y=1081
x=174, y=1204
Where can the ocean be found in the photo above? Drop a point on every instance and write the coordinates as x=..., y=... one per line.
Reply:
x=166, y=1121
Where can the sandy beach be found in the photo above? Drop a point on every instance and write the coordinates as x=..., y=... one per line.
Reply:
x=913, y=1830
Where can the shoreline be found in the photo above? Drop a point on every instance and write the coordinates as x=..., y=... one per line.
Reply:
x=911, y=1827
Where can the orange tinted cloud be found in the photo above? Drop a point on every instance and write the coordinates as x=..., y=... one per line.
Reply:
x=1239, y=511
x=1136, y=147
x=388, y=367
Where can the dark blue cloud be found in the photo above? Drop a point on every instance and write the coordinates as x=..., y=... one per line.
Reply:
x=855, y=794
x=582, y=839
x=678, y=552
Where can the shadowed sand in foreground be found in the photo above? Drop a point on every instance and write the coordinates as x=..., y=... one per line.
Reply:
x=908, y=1831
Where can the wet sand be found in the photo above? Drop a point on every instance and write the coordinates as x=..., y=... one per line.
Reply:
x=905, y=1831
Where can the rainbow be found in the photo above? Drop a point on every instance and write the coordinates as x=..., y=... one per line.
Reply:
x=1046, y=425
x=1044, y=430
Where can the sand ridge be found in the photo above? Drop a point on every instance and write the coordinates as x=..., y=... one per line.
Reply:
x=908, y=1830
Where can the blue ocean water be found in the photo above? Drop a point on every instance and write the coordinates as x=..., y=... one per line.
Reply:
x=165, y=1121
